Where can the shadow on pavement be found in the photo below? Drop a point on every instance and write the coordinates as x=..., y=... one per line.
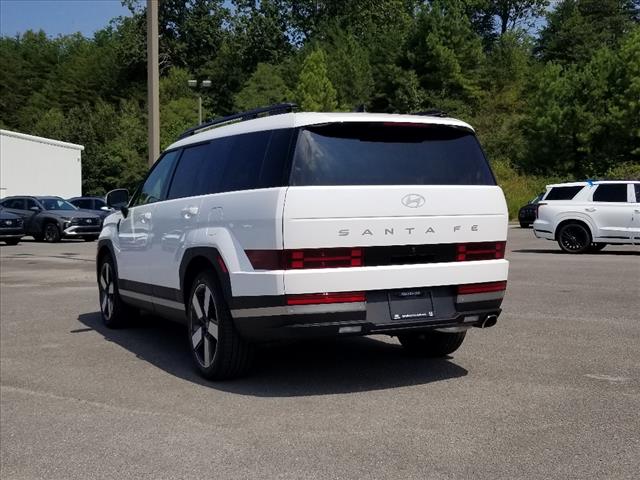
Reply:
x=319, y=367
x=560, y=252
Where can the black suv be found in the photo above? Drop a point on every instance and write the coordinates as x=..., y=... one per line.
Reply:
x=96, y=205
x=11, y=227
x=53, y=218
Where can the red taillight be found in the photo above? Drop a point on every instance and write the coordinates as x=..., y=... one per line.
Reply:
x=323, y=258
x=481, y=288
x=316, y=298
x=480, y=251
x=307, y=258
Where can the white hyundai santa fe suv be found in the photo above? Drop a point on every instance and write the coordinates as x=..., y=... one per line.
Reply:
x=273, y=224
x=586, y=216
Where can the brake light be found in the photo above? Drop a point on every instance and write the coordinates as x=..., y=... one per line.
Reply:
x=480, y=251
x=482, y=288
x=323, y=298
x=305, y=258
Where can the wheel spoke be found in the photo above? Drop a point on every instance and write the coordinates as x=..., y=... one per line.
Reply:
x=196, y=307
x=212, y=328
x=104, y=304
x=103, y=284
x=196, y=337
x=207, y=351
x=110, y=289
x=207, y=302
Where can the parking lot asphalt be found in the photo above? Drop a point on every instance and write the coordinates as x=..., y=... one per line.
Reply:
x=551, y=392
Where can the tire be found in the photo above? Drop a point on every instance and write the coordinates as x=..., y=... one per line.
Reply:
x=12, y=241
x=574, y=238
x=524, y=225
x=90, y=239
x=114, y=312
x=38, y=238
x=596, y=247
x=217, y=349
x=51, y=233
x=432, y=344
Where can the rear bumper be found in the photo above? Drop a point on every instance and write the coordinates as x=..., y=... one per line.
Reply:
x=279, y=321
x=543, y=229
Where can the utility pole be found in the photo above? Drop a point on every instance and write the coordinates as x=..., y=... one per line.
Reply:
x=153, y=80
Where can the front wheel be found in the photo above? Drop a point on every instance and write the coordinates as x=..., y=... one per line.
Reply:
x=115, y=313
x=574, y=238
x=596, y=247
x=12, y=241
x=218, y=350
x=51, y=233
x=432, y=344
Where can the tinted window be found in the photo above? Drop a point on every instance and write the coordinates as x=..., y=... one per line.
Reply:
x=55, y=204
x=155, y=186
x=637, y=187
x=563, y=193
x=31, y=203
x=243, y=157
x=83, y=203
x=387, y=154
x=614, y=192
x=99, y=203
x=16, y=203
x=190, y=178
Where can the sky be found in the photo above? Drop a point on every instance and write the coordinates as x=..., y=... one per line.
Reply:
x=58, y=17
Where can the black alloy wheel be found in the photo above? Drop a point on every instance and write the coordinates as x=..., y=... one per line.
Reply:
x=574, y=238
x=51, y=233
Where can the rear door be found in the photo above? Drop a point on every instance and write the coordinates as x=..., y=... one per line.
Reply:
x=612, y=211
x=635, y=214
x=390, y=184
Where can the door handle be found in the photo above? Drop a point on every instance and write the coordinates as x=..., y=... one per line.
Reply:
x=145, y=217
x=189, y=212
x=591, y=209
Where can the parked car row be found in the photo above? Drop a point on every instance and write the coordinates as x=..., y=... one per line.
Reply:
x=51, y=218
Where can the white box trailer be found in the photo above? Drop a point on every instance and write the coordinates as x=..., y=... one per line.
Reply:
x=31, y=165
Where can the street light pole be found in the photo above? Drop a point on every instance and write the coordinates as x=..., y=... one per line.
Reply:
x=153, y=80
x=203, y=84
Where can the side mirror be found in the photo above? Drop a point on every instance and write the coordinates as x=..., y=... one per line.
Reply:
x=118, y=199
x=35, y=209
x=106, y=209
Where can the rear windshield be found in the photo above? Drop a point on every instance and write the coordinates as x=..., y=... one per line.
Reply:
x=388, y=154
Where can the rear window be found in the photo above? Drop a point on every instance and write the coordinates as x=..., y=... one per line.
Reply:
x=388, y=154
x=563, y=193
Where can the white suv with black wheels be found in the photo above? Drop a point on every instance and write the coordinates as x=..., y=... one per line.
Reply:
x=274, y=225
x=586, y=216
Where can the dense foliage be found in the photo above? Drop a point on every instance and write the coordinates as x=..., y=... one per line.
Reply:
x=553, y=88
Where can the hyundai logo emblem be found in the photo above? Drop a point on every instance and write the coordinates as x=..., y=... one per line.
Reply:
x=413, y=200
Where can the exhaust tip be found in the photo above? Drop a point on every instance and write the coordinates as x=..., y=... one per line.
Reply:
x=489, y=321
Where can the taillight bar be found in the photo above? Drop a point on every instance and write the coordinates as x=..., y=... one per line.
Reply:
x=482, y=288
x=480, y=251
x=324, y=298
x=305, y=258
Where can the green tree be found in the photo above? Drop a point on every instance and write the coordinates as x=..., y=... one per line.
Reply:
x=315, y=91
x=264, y=87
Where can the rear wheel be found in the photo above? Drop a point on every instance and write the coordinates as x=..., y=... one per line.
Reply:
x=115, y=313
x=525, y=225
x=432, y=344
x=12, y=241
x=218, y=350
x=51, y=233
x=574, y=238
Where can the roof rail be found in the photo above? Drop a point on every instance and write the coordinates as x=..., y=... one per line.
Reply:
x=241, y=117
x=432, y=112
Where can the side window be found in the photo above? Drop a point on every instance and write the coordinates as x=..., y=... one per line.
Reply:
x=155, y=186
x=83, y=203
x=192, y=177
x=611, y=192
x=16, y=203
x=244, y=162
x=563, y=193
x=99, y=203
x=637, y=188
x=31, y=203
